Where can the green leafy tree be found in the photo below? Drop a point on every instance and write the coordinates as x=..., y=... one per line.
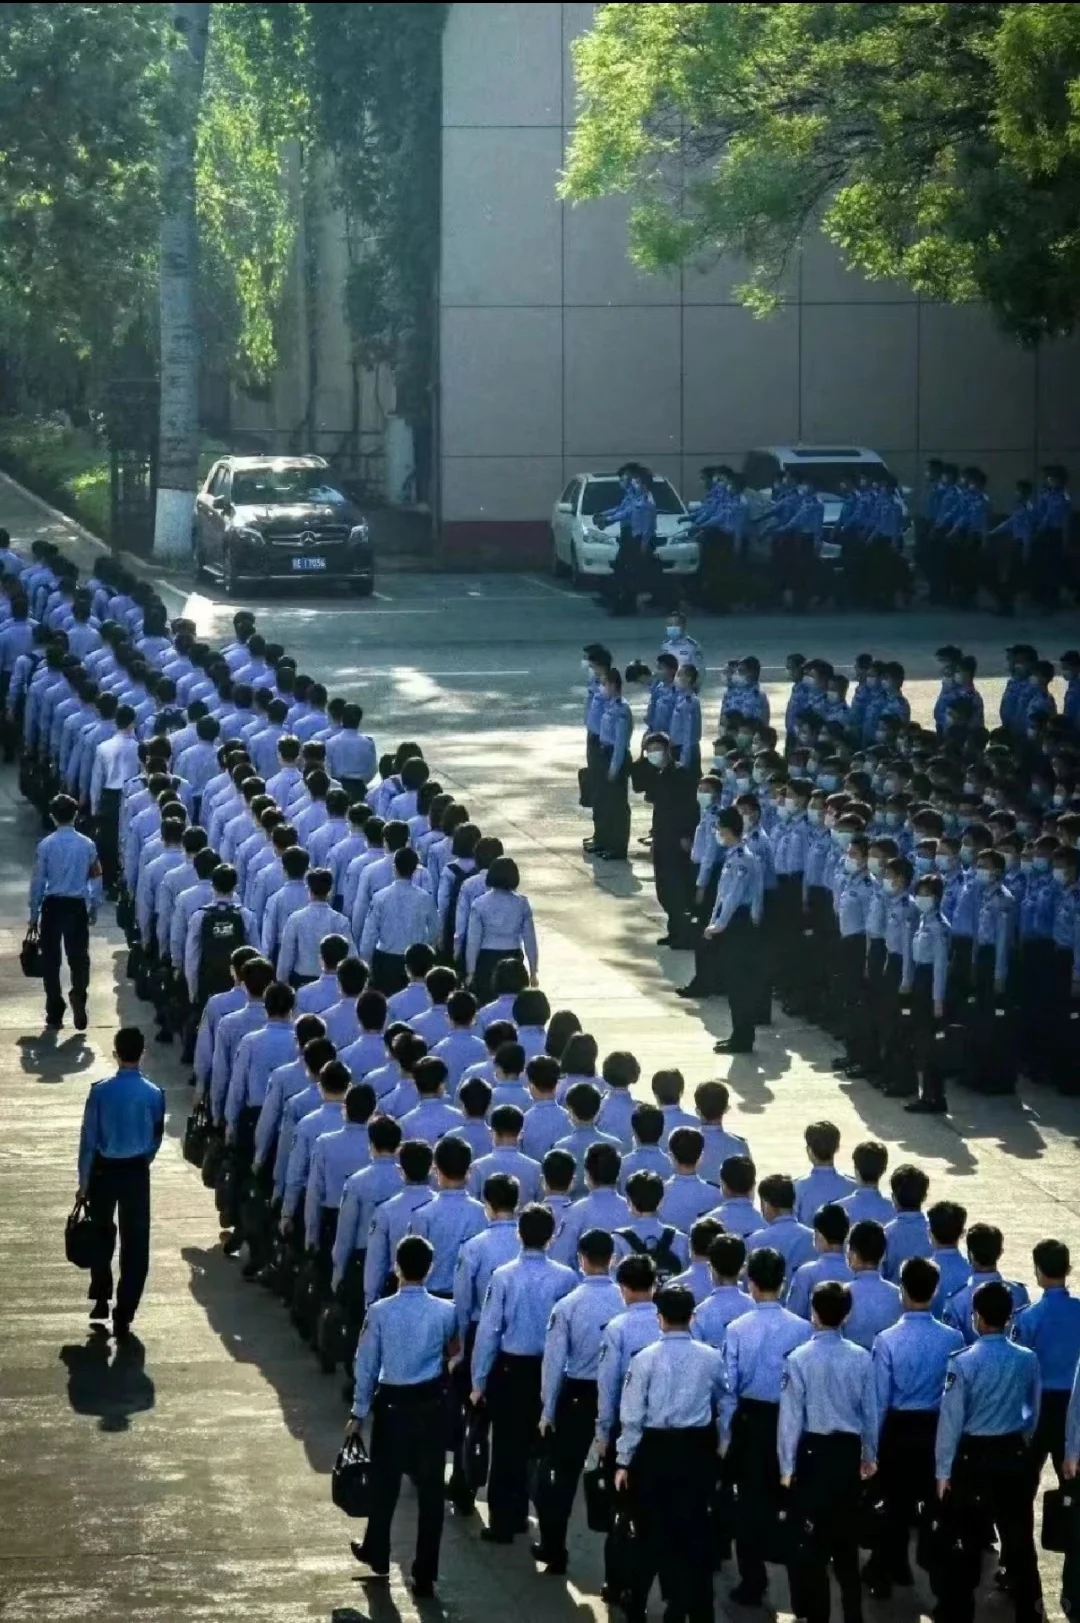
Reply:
x=937, y=144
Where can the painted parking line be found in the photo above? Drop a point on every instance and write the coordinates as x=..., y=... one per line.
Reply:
x=558, y=591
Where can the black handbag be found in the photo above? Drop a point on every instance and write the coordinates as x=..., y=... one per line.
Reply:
x=197, y=1133
x=350, y=1484
x=85, y=1240
x=30, y=955
x=621, y=1553
x=330, y=1337
x=227, y=1188
x=212, y=1159
x=873, y=1515
x=254, y=1210
x=305, y=1298
x=585, y=787
x=543, y=1481
x=937, y=1540
x=598, y=1484
x=1061, y=1519
x=476, y=1447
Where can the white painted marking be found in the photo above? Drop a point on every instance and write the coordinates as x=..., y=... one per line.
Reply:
x=558, y=591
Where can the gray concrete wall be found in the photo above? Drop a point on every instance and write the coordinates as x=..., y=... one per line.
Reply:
x=544, y=323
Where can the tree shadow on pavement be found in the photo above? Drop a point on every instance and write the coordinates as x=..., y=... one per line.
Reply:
x=112, y=1384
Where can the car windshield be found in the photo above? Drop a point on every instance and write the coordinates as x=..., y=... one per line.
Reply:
x=827, y=477
x=600, y=494
x=273, y=487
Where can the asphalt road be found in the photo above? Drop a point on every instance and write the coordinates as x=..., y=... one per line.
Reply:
x=192, y=1482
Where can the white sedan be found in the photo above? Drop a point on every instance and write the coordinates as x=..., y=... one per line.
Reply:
x=579, y=549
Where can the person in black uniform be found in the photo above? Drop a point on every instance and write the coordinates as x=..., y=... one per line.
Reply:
x=672, y=793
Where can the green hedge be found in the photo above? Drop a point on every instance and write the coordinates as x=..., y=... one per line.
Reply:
x=69, y=467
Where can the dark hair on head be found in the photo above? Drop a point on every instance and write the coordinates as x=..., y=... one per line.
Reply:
x=583, y=1101
x=461, y=1008
x=993, y=1304
x=316, y=1053
x=536, y=1226
x=603, y=1163
x=531, y=1008
x=503, y=873
x=542, y=1072
x=702, y=1234
x=415, y=1158
x=279, y=1000
x=335, y=1077
x=440, y=982
x=384, y=1134
x=429, y=1075
x=985, y=1243
x=419, y=960
x=510, y=1058
x=867, y=1240
x=360, y=1102
x=371, y=1009
x=597, y=1247
x=474, y=1097
x=620, y=1069
x=920, y=1279
x=711, y=1100
x=129, y=1044
x=507, y=1121
x=408, y=1049
x=822, y=1139
x=559, y=1169
x=910, y=1187
x=870, y=1160
x=256, y=975
x=333, y=950
x=675, y=1304
x=778, y=1191
x=947, y=1220
x=644, y=1191
x=668, y=1087
x=501, y=1192
x=453, y=1157
x=579, y=1056
x=765, y=1268
x=414, y=1257
x=636, y=1273
x=832, y=1223
x=831, y=1303
x=727, y=1255
x=1051, y=1258
x=497, y=1033
x=509, y=977
x=686, y=1146
x=647, y=1124
x=563, y=1024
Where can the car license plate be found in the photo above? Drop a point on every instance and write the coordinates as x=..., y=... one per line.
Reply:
x=309, y=563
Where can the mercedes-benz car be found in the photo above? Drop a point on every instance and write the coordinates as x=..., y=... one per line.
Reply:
x=579, y=549
x=270, y=518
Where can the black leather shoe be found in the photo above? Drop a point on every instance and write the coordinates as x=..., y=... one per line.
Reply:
x=663, y=941
x=727, y=1046
x=359, y=1552
x=422, y=1588
x=690, y=990
x=100, y=1309
x=555, y=1564
x=927, y=1107
x=79, y=1018
x=121, y=1328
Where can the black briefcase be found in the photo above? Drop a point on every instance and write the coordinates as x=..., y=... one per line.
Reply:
x=937, y=1538
x=305, y=1298
x=350, y=1484
x=585, y=788
x=330, y=1336
x=30, y=955
x=1061, y=1519
x=213, y=1156
x=476, y=1447
x=197, y=1133
x=227, y=1188
x=599, y=1487
x=622, y=1552
x=872, y=1515
x=84, y=1240
x=542, y=1481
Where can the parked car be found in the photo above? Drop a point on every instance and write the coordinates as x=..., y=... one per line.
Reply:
x=579, y=549
x=268, y=518
x=824, y=467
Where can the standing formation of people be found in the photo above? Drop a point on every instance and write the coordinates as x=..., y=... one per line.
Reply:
x=436, y=1169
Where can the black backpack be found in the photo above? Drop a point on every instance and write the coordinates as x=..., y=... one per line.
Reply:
x=660, y=1250
x=459, y=876
x=221, y=932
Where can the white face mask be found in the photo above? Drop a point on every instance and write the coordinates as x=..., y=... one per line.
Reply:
x=874, y=865
x=655, y=757
x=783, y=811
x=704, y=797
x=813, y=816
x=851, y=864
x=894, y=887
x=673, y=631
x=925, y=904
x=742, y=785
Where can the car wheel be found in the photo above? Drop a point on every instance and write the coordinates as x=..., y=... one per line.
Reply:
x=558, y=568
x=361, y=588
x=577, y=579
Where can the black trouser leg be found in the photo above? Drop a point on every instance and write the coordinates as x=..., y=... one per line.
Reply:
x=460, y=1387
x=611, y=812
x=756, y=1474
x=709, y=965
x=514, y=1401
x=52, y=958
x=743, y=954
x=107, y=835
x=906, y=1466
x=122, y=1187
x=672, y=1480
x=992, y=1481
x=575, y=1427
x=102, y=1204
x=1048, y=1441
x=827, y=1488
x=674, y=879
x=407, y=1439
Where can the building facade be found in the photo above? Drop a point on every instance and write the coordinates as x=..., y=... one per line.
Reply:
x=557, y=356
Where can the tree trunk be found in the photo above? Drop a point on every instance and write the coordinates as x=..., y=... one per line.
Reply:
x=178, y=442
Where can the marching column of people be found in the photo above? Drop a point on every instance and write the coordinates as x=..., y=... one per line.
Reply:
x=450, y=1188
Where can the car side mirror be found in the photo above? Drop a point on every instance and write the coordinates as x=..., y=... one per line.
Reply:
x=563, y=507
x=221, y=504
x=692, y=507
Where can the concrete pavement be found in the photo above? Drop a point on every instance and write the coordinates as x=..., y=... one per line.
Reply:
x=194, y=1484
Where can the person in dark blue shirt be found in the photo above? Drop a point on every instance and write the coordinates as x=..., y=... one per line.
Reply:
x=123, y=1123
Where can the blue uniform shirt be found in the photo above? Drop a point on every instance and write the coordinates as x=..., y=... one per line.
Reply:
x=404, y=1342
x=828, y=1387
x=575, y=1329
x=821, y=1186
x=908, y=1235
x=686, y=1198
x=992, y=1389
x=516, y=1310
x=721, y=1307
x=65, y=864
x=677, y=1383
x=960, y=1306
x=335, y=1157
x=124, y=1117
x=875, y=1304
x=1072, y=1423
x=793, y=1240
x=1051, y=1328
x=622, y=1340
x=911, y=1359
x=447, y=1222
x=827, y=1266
x=364, y=1191
x=867, y=1202
x=476, y=1262
x=390, y=1222
x=602, y=1209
